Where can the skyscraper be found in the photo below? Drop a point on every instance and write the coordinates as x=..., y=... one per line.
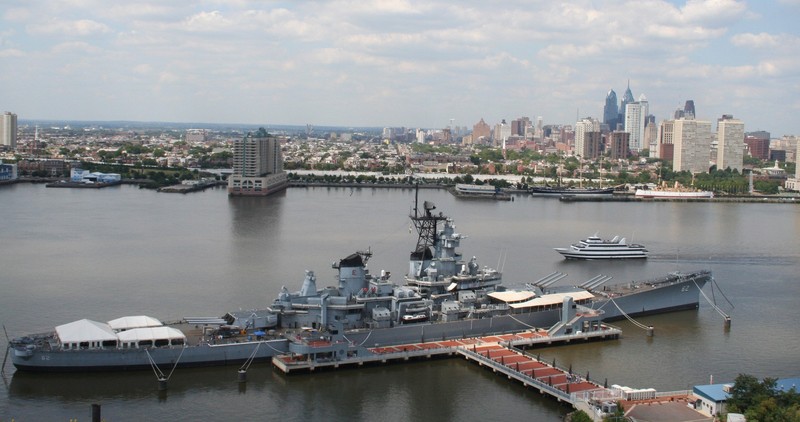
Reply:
x=627, y=98
x=635, y=119
x=8, y=130
x=692, y=145
x=257, y=165
x=519, y=125
x=587, y=138
x=730, y=143
x=610, y=110
x=688, y=110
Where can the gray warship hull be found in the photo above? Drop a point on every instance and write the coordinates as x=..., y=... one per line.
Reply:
x=671, y=294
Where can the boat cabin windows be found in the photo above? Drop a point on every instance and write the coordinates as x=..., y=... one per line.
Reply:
x=145, y=343
x=109, y=343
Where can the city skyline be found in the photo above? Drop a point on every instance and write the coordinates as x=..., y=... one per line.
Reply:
x=396, y=63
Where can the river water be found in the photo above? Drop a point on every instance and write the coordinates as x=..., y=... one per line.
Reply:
x=70, y=254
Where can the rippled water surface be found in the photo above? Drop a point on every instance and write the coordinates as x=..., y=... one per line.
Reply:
x=100, y=254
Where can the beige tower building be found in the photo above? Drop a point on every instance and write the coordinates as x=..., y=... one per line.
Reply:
x=664, y=144
x=257, y=165
x=692, y=145
x=730, y=143
x=481, y=130
x=8, y=130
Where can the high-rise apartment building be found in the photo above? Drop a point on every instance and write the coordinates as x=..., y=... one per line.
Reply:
x=618, y=142
x=692, y=145
x=758, y=144
x=664, y=146
x=610, y=110
x=587, y=138
x=502, y=131
x=8, y=130
x=730, y=143
x=635, y=119
x=257, y=165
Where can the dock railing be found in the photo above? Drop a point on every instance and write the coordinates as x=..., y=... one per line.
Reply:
x=526, y=379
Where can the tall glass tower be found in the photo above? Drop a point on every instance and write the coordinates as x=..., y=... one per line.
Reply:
x=610, y=110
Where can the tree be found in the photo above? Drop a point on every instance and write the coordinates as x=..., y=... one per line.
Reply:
x=762, y=401
x=580, y=416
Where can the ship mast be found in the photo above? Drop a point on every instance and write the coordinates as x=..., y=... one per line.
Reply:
x=426, y=225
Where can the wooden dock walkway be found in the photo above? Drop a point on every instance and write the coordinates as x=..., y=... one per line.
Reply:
x=497, y=352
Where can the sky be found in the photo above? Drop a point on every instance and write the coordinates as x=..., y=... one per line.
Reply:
x=397, y=63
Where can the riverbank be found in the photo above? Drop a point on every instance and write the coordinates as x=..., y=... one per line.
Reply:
x=629, y=197
x=616, y=197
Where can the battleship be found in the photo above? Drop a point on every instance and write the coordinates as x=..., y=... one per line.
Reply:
x=442, y=297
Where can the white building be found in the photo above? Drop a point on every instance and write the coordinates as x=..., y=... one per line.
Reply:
x=85, y=176
x=692, y=143
x=635, y=120
x=710, y=399
x=730, y=143
x=583, y=130
x=8, y=130
x=794, y=183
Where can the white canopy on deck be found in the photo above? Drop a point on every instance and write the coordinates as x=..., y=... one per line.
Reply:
x=512, y=296
x=552, y=299
x=150, y=333
x=85, y=330
x=130, y=322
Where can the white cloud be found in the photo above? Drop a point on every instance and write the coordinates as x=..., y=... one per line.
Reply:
x=143, y=69
x=81, y=27
x=74, y=47
x=11, y=52
x=207, y=21
x=471, y=55
x=713, y=11
x=764, y=40
x=17, y=14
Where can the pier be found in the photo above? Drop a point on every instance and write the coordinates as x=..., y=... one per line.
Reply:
x=468, y=347
x=191, y=186
x=504, y=356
